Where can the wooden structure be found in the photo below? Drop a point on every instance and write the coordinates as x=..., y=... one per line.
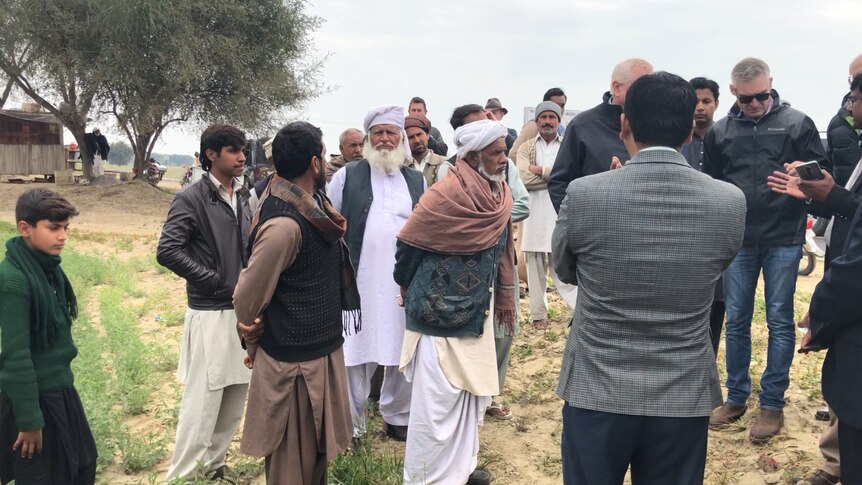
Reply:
x=30, y=143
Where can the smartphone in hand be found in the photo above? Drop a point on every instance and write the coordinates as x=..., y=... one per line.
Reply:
x=809, y=171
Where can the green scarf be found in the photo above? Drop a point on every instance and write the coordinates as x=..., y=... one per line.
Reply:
x=52, y=299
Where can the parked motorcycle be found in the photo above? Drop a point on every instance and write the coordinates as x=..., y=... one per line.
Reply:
x=187, y=176
x=155, y=172
x=811, y=250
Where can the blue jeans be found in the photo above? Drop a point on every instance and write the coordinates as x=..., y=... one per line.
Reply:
x=780, y=265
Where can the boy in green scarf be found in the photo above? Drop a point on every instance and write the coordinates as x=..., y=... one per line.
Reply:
x=44, y=434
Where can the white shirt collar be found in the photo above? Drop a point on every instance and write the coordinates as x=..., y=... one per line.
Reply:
x=556, y=138
x=650, y=149
x=234, y=182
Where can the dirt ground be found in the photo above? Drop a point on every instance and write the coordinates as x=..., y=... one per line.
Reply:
x=135, y=208
x=524, y=450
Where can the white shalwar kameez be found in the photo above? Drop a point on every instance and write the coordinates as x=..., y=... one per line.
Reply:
x=216, y=383
x=453, y=380
x=379, y=341
x=537, y=231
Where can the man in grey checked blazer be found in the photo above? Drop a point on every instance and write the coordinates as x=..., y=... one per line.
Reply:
x=645, y=244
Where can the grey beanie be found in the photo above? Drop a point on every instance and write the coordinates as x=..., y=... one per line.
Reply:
x=548, y=106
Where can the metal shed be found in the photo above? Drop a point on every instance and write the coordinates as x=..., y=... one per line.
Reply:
x=30, y=143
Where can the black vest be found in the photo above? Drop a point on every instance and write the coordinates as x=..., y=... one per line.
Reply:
x=303, y=320
x=357, y=197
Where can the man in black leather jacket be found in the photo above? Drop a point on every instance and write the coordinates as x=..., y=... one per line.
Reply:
x=203, y=241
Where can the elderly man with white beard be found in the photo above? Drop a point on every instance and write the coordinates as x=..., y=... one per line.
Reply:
x=455, y=264
x=376, y=195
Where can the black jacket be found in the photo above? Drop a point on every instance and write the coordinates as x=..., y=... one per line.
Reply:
x=436, y=143
x=103, y=145
x=836, y=322
x=842, y=204
x=744, y=152
x=844, y=145
x=592, y=139
x=203, y=243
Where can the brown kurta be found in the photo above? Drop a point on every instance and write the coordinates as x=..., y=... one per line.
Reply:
x=298, y=436
x=297, y=413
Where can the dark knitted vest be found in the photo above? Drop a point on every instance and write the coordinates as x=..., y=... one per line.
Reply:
x=357, y=197
x=303, y=320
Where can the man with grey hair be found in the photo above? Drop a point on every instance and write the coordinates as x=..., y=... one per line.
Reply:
x=758, y=136
x=350, y=147
x=593, y=136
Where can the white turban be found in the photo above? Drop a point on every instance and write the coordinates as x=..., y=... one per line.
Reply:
x=388, y=114
x=477, y=135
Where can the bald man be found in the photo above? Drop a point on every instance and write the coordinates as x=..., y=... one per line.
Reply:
x=844, y=143
x=593, y=137
x=843, y=148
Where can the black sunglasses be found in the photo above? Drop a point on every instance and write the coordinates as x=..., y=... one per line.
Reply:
x=747, y=98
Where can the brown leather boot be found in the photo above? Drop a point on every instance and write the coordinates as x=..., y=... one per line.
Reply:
x=819, y=478
x=725, y=415
x=768, y=425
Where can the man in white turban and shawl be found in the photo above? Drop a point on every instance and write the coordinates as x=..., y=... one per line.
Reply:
x=455, y=264
x=376, y=195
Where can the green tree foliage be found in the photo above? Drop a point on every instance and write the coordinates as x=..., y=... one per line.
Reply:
x=121, y=154
x=151, y=63
x=51, y=50
x=231, y=61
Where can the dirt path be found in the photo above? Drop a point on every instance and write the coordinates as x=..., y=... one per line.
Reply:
x=133, y=208
x=526, y=449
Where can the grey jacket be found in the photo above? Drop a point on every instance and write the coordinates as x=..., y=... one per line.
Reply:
x=646, y=244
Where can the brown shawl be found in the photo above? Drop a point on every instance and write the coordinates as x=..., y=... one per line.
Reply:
x=461, y=215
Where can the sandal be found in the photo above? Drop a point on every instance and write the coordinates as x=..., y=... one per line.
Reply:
x=498, y=411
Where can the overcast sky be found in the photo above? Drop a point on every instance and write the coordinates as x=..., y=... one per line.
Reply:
x=459, y=52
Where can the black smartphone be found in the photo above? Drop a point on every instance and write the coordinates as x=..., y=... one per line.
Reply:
x=809, y=171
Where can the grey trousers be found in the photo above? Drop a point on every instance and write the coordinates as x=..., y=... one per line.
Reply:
x=503, y=346
x=538, y=267
x=829, y=447
x=207, y=424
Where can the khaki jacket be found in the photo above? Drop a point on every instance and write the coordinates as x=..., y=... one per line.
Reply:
x=432, y=168
x=527, y=156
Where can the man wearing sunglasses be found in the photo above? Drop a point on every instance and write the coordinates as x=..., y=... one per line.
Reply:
x=757, y=137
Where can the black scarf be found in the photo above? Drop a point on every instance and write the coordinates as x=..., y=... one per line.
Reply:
x=52, y=299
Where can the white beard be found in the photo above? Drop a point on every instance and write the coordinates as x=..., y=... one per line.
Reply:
x=497, y=177
x=386, y=160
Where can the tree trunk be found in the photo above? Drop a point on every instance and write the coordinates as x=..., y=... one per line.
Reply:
x=142, y=155
x=86, y=157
